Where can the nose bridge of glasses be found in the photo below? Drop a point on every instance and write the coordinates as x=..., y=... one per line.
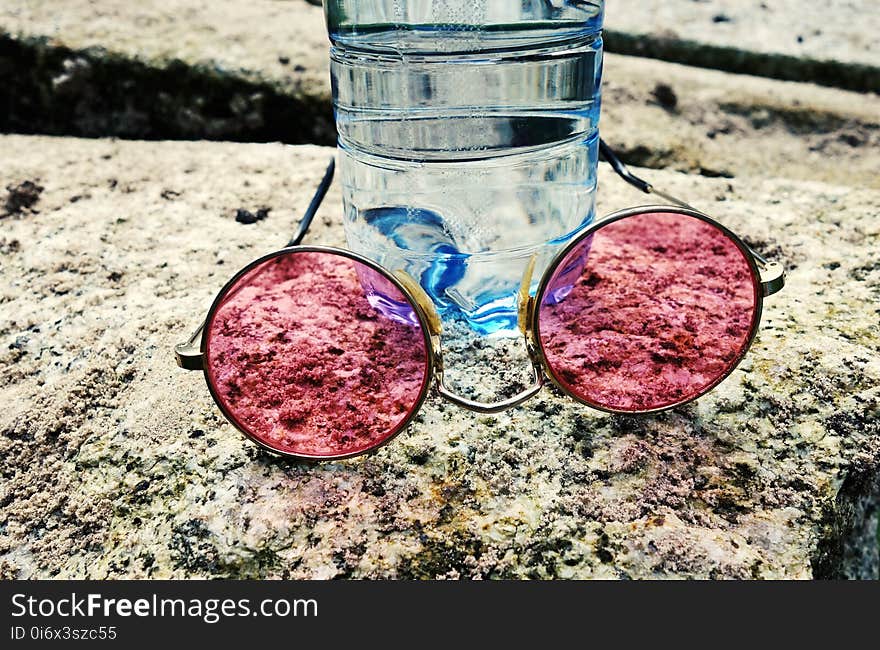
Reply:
x=493, y=407
x=421, y=299
x=526, y=306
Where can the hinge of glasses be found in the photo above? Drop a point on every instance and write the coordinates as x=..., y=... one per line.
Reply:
x=189, y=355
x=772, y=277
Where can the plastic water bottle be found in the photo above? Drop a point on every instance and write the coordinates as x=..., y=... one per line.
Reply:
x=468, y=138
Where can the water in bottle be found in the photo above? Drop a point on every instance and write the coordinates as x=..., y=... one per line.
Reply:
x=468, y=140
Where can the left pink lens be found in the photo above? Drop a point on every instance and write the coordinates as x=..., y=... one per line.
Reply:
x=305, y=362
x=649, y=311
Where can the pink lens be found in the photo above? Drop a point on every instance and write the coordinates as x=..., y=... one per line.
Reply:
x=304, y=361
x=663, y=309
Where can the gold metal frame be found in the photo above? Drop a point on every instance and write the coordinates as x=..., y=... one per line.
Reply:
x=194, y=358
x=761, y=288
x=767, y=277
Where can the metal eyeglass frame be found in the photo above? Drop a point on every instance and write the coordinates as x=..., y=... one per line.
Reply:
x=768, y=277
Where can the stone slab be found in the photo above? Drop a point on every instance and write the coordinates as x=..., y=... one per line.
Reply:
x=282, y=40
x=117, y=464
x=664, y=115
x=259, y=71
x=784, y=38
x=254, y=71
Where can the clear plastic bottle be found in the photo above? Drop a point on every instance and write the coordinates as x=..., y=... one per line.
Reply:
x=468, y=137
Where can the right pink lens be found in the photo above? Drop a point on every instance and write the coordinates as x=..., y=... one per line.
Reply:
x=649, y=311
x=307, y=363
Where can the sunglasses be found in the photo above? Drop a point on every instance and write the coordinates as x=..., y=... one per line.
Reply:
x=644, y=310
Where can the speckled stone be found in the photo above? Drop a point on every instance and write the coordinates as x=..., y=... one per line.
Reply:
x=117, y=464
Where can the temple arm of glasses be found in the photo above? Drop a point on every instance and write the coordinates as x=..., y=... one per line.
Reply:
x=189, y=354
x=772, y=273
x=320, y=193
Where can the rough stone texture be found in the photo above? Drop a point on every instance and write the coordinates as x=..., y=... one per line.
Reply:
x=219, y=69
x=835, y=30
x=723, y=124
x=259, y=71
x=253, y=37
x=117, y=464
x=842, y=30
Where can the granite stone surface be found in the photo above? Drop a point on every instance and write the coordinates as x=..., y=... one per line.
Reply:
x=116, y=463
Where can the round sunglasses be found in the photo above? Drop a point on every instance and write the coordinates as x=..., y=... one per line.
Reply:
x=318, y=353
